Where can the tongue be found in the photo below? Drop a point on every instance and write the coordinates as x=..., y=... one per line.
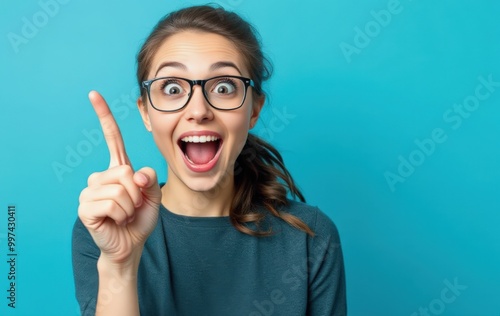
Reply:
x=201, y=153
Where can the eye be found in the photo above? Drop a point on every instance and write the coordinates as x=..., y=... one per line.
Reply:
x=172, y=88
x=224, y=86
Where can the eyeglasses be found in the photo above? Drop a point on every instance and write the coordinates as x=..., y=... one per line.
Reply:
x=170, y=94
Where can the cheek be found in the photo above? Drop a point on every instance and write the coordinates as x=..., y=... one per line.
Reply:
x=238, y=128
x=162, y=129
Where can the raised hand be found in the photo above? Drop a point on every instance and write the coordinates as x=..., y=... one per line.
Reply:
x=119, y=207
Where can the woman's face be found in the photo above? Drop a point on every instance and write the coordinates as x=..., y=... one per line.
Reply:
x=200, y=165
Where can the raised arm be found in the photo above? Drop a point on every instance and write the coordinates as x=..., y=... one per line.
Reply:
x=119, y=208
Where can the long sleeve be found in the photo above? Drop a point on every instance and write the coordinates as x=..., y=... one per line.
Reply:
x=188, y=265
x=85, y=254
x=327, y=289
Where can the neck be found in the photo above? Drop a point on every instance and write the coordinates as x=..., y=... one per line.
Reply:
x=180, y=199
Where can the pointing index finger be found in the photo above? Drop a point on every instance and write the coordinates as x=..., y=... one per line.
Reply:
x=112, y=134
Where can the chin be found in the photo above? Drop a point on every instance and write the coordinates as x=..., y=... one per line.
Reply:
x=209, y=183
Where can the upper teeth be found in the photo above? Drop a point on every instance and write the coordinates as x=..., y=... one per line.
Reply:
x=199, y=139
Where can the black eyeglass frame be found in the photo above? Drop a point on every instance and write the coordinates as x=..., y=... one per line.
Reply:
x=246, y=81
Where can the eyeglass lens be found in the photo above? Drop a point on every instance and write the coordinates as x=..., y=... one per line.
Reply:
x=170, y=94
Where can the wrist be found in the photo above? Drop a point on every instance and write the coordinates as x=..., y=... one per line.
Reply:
x=117, y=293
x=128, y=267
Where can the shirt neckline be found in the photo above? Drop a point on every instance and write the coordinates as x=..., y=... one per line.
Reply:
x=199, y=221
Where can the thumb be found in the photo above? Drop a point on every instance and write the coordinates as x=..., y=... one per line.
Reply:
x=147, y=180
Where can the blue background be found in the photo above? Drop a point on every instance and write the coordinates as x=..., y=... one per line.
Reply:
x=342, y=121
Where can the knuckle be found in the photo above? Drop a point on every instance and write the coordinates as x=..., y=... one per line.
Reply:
x=114, y=210
x=81, y=211
x=83, y=195
x=84, y=213
x=125, y=171
x=92, y=179
x=110, y=206
x=118, y=191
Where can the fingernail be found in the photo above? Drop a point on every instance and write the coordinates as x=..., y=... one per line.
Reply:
x=144, y=178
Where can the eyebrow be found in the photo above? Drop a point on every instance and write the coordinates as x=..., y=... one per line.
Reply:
x=216, y=66
x=223, y=64
x=170, y=64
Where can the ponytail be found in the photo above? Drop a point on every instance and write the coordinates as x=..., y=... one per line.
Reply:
x=262, y=181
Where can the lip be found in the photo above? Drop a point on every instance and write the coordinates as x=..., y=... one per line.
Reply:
x=204, y=167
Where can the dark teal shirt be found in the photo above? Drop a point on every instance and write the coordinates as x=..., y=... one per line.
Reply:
x=204, y=266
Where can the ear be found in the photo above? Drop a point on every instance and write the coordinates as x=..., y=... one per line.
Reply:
x=256, y=108
x=144, y=113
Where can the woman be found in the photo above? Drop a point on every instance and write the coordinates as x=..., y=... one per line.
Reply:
x=220, y=237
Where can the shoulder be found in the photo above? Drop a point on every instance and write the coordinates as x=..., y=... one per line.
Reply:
x=324, y=263
x=314, y=217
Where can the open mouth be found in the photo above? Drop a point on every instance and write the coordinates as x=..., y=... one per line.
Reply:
x=200, y=151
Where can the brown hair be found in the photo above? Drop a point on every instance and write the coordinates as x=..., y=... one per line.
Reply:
x=260, y=176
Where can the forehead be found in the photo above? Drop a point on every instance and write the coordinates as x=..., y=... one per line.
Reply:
x=197, y=51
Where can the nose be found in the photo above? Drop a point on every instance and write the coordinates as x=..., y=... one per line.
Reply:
x=198, y=109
